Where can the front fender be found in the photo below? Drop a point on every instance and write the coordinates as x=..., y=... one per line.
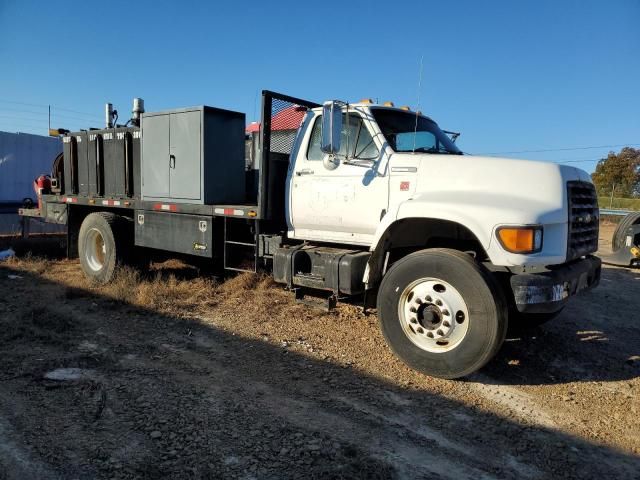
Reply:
x=482, y=213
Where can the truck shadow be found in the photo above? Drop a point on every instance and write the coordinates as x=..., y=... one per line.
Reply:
x=596, y=338
x=151, y=395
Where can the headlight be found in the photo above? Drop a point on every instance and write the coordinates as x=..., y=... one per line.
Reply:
x=520, y=239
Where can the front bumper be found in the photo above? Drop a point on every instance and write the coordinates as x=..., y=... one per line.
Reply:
x=549, y=291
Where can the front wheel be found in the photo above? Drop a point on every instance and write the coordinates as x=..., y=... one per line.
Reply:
x=442, y=313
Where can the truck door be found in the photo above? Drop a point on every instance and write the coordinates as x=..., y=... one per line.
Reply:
x=347, y=203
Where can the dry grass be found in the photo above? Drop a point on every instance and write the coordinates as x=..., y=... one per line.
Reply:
x=171, y=287
x=246, y=281
x=168, y=290
x=165, y=292
x=30, y=263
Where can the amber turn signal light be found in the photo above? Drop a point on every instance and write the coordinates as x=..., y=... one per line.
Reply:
x=520, y=239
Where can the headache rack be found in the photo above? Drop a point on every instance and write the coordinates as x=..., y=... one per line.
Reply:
x=282, y=115
x=584, y=219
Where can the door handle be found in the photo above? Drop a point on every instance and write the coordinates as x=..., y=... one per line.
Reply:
x=172, y=161
x=304, y=171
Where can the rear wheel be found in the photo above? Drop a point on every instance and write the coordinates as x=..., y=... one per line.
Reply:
x=102, y=244
x=442, y=313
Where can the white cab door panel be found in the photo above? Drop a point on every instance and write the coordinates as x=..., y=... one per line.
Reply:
x=344, y=204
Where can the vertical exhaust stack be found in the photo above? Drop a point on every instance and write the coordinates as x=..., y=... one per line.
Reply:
x=137, y=111
x=108, y=115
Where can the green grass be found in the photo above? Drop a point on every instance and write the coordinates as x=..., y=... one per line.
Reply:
x=623, y=203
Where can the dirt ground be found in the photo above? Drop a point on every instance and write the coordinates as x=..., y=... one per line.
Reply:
x=170, y=374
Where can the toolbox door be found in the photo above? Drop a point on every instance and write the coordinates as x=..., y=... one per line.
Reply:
x=185, y=175
x=155, y=148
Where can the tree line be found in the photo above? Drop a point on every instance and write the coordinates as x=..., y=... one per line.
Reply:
x=618, y=174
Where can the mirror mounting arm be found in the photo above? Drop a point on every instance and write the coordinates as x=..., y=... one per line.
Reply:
x=360, y=163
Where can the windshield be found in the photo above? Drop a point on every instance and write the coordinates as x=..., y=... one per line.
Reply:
x=399, y=129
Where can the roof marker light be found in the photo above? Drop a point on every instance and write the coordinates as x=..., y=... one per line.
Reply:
x=388, y=104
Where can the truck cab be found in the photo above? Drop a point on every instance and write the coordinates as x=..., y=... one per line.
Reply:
x=390, y=181
x=394, y=164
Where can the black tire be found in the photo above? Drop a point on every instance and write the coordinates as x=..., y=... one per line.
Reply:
x=487, y=322
x=103, y=243
x=620, y=233
x=531, y=320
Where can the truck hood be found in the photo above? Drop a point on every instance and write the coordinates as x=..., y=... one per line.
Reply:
x=496, y=171
x=520, y=191
x=483, y=193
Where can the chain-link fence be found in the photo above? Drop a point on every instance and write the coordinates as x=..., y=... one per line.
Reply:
x=286, y=118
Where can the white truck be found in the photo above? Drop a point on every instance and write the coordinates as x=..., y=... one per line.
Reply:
x=362, y=201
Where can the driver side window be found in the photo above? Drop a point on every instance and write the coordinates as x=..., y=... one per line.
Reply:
x=356, y=138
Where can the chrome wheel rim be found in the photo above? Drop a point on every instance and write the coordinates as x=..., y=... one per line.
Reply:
x=433, y=315
x=95, y=250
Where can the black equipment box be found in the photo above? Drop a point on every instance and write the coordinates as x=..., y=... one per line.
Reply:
x=190, y=234
x=102, y=163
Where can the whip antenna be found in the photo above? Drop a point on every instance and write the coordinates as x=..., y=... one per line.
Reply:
x=415, y=128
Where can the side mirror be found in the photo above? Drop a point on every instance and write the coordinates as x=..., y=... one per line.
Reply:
x=331, y=127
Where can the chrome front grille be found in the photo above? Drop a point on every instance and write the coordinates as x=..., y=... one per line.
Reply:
x=584, y=219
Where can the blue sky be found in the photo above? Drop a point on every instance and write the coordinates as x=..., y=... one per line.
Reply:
x=511, y=76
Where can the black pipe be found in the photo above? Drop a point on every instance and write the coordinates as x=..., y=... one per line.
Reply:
x=99, y=166
x=73, y=163
x=128, y=147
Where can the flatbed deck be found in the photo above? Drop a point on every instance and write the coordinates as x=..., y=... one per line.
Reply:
x=235, y=210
